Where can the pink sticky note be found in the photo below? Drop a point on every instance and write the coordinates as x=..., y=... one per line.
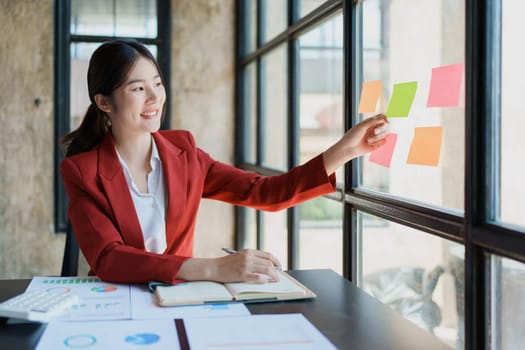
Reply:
x=445, y=86
x=383, y=155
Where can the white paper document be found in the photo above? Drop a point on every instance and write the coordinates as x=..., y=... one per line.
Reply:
x=276, y=332
x=104, y=335
x=98, y=300
x=144, y=307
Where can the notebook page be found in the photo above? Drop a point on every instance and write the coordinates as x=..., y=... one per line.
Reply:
x=283, y=287
x=196, y=292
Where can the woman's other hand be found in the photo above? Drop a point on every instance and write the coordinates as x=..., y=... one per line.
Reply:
x=246, y=265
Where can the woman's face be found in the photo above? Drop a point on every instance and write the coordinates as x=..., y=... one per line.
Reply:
x=136, y=106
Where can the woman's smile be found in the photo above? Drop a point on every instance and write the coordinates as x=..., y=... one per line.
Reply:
x=150, y=114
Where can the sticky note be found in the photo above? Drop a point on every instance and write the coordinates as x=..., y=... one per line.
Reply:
x=426, y=146
x=401, y=100
x=369, y=95
x=383, y=155
x=445, y=86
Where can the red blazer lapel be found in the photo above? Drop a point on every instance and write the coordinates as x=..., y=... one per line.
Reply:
x=175, y=167
x=116, y=187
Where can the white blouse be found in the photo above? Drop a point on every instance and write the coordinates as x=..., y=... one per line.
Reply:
x=151, y=206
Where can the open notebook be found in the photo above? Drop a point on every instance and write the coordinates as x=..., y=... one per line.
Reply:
x=202, y=292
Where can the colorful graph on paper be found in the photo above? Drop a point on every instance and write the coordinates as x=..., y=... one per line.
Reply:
x=97, y=300
x=102, y=335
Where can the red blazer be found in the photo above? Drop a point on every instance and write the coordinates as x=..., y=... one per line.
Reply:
x=107, y=227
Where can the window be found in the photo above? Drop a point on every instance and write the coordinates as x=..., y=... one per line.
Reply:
x=505, y=200
x=274, y=107
x=320, y=115
x=81, y=26
x=401, y=55
x=432, y=225
x=419, y=275
x=511, y=195
x=507, y=303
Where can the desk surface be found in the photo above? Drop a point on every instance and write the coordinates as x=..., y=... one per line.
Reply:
x=346, y=315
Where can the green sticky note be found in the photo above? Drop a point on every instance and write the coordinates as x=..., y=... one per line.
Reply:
x=401, y=100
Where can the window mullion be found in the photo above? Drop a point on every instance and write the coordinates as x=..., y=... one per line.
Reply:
x=351, y=64
x=477, y=71
x=293, y=137
x=61, y=102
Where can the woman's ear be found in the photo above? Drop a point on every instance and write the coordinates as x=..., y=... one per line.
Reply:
x=103, y=103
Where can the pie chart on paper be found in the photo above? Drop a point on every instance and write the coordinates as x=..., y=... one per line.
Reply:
x=142, y=338
x=104, y=289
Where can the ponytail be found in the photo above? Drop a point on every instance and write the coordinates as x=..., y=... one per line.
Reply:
x=91, y=132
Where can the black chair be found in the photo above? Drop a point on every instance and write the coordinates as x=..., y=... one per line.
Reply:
x=70, y=259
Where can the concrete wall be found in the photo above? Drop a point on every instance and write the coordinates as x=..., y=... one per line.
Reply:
x=202, y=101
x=202, y=83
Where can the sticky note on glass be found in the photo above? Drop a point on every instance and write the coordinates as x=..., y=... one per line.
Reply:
x=370, y=93
x=426, y=146
x=401, y=100
x=383, y=155
x=445, y=86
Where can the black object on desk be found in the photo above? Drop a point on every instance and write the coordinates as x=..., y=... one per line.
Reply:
x=346, y=315
x=351, y=318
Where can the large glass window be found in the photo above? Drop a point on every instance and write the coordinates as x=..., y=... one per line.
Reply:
x=418, y=222
x=250, y=239
x=512, y=194
x=274, y=234
x=122, y=18
x=274, y=108
x=321, y=87
x=507, y=303
x=419, y=275
x=321, y=235
x=320, y=125
x=412, y=70
x=249, y=148
x=306, y=6
x=274, y=18
x=505, y=202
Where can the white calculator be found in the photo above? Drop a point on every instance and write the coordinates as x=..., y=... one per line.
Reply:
x=37, y=305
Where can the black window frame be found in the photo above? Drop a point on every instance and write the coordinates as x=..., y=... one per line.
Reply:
x=63, y=39
x=474, y=229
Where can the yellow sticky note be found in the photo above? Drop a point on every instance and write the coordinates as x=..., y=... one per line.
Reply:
x=426, y=146
x=369, y=94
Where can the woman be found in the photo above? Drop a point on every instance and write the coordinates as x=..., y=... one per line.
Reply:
x=134, y=191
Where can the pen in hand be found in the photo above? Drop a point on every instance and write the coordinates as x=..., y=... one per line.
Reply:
x=229, y=250
x=233, y=251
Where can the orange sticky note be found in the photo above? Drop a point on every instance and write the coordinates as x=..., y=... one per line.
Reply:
x=369, y=94
x=383, y=155
x=445, y=86
x=426, y=146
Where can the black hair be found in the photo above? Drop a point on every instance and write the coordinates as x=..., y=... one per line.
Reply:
x=108, y=69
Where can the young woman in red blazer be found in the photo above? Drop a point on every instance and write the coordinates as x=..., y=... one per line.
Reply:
x=134, y=191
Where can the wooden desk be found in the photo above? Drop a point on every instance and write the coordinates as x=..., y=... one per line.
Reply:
x=346, y=315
